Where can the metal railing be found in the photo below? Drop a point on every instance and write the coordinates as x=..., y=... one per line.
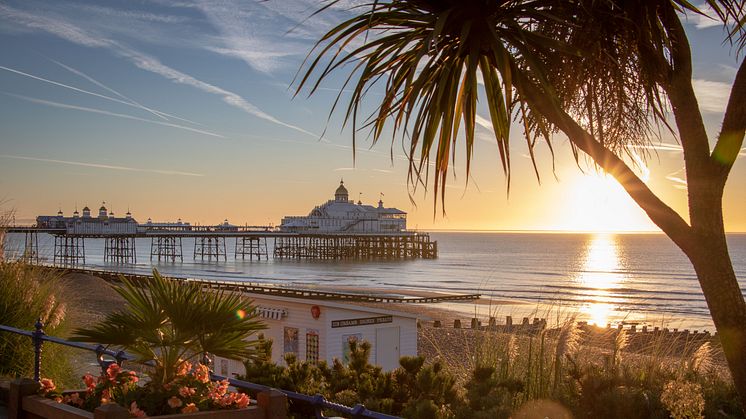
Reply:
x=318, y=402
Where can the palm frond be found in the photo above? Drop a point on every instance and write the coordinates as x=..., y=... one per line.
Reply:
x=602, y=61
x=164, y=320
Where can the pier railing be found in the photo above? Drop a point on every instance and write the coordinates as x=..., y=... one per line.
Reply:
x=319, y=403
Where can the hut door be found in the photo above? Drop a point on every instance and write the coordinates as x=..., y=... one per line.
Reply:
x=387, y=347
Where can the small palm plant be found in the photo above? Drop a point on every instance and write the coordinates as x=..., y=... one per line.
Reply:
x=173, y=323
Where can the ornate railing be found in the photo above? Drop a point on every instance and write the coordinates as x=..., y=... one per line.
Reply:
x=318, y=402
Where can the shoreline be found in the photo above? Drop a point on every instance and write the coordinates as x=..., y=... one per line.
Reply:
x=94, y=298
x=97, y=298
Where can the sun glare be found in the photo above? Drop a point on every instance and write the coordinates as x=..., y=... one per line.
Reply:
x=600, y=275
x=596, y=202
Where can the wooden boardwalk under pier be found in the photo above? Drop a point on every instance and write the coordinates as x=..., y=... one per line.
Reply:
x=355, y=246
x=210, y=243
x=252, y=288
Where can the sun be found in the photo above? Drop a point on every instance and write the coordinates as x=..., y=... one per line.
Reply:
x=596, y=202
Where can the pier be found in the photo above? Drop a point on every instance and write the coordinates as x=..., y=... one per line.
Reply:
x=211, y=244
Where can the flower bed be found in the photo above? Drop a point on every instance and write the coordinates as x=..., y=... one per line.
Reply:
x=116, y=394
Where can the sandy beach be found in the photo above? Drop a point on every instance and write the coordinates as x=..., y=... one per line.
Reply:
x=93, y=298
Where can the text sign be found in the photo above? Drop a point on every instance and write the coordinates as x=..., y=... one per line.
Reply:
x=362, y=322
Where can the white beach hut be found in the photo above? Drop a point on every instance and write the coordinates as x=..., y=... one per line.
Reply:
x=316, y=330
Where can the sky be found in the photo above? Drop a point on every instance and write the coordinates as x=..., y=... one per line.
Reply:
x=186, y=109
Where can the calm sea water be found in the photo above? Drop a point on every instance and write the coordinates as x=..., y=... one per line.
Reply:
x=601, y=277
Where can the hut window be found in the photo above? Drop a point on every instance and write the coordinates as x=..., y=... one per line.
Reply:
x=312, y=346
x=290, y=340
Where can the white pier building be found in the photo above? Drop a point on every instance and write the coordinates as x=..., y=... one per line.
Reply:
x=86, y=224
x=341, y=215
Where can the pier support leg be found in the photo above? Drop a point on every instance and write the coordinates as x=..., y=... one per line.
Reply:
x=31, y=247
x=251, y=247
x=210, y=248
x=166, y=248
x=120, y=249
x=69, y=250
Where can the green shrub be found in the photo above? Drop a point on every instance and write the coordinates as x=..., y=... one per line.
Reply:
x=28, y=293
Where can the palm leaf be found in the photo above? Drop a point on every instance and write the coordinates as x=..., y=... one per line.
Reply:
x=601, y=61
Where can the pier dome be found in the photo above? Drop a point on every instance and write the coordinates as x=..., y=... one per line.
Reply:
x=341, y=194
x=342, y=215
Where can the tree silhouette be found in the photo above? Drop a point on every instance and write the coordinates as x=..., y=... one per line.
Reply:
x=605, y=73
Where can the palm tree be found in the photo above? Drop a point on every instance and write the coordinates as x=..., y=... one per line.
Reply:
x=173, y=322
x=602, y=72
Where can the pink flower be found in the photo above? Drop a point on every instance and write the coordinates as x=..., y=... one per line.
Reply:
x=190, y=408
x=242, y=400
x=222, y=387
x=136, y=411
x=187, y=391
x=58, y=399
x=89, y=381
x=184, y=368
x=175, y=402
x=226, y=400
x=202, y=373
x=47, y=385
x=113, y=371
x=133, y=377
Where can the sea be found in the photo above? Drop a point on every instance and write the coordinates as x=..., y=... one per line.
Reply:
x=602, y=278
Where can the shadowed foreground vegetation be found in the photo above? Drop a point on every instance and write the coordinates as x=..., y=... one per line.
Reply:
x=557, y=373
x=28, y=293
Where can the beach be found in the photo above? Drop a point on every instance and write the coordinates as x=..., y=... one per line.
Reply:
x=92, y=298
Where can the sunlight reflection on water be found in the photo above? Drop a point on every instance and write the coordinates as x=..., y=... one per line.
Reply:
x=600, y=273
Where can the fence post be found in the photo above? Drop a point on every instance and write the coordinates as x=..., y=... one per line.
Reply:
x=19, y=389
x=37, y=336
x=274, y=403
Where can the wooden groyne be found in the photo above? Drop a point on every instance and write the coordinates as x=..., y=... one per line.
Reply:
x=282, y=291
x=639, y=338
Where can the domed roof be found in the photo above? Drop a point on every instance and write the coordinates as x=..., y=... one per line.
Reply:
x=103, y=208
x=86, y=209
x=341, y=190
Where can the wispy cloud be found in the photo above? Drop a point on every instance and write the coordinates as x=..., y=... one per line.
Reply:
x=483, y=122
x=132, y=14
x=712, y=96
x=153, y=65
x=708, y=20
x=103, y=166
x=132, y=103
x=108, y=113
x=109, y=89
x=56, y=27
x=72, y=33
x=676, y=148
x=678, y=181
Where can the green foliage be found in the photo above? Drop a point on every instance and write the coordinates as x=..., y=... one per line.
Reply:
x=26, y=294
x=509, y=371
x=172, y=322
x=413, y=390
